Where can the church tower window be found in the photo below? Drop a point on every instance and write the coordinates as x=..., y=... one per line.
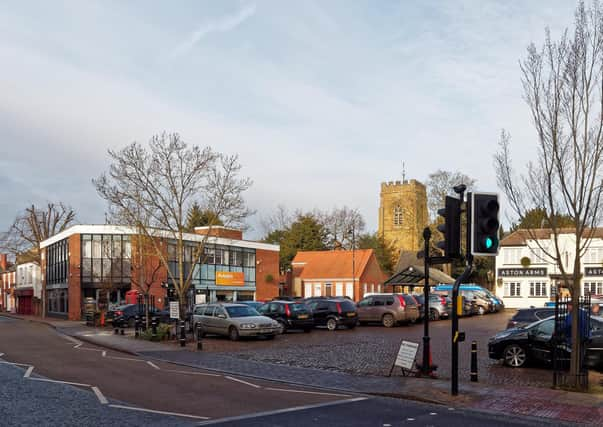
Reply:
x=398, y=216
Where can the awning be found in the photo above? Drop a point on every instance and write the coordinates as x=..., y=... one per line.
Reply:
x=414, y=274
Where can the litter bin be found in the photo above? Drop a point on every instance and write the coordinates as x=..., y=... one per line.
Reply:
x=90, y=311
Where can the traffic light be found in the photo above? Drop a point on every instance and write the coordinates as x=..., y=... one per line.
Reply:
x=484, y=224
x=451, y=228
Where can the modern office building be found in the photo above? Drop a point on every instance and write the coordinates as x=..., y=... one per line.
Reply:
x=103, y=262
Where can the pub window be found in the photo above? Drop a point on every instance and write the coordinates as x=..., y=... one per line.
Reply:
x=595, y=288
x=512, y=289
x=537, y=289
x=398, y=216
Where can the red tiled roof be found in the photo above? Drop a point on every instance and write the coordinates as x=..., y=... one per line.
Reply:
x=521, y=236
x=330, y=264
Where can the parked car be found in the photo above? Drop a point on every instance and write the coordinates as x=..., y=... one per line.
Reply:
x=388, y=309
x=126, y=315
x=482, y=303
x=233, y=320
x=253, y=304
x=289, y=315
x=525, y=316
x=333, y=313
x=533, y=343
x=469, y=306
x=440, y=307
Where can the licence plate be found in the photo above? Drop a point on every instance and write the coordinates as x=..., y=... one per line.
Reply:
x=351, y=314
x=265, y=331
x=302, y=316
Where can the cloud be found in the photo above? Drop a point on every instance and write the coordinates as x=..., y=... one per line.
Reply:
x=222, y=25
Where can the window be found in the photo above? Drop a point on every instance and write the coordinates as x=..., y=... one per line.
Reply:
x=593, y=256
x=397, y=216
x=537, y=289
x=236, y=257
x=57, y=262
x=511, y=255
x=593, y=288
x=210, y=256
x=538, y=256
x=512, y=289
x=328, y=287
x=105, y=258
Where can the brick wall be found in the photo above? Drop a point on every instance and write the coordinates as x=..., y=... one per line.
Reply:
x=153, y=271
x=74, y=278
x=266, y=264
x=218, y=231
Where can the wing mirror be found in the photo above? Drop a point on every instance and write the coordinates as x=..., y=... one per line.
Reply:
x=221, y=316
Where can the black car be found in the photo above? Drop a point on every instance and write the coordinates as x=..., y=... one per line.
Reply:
x=289, y=314
x=525, y=316
x=533, y=343
x=126, y=314
x=333, y=313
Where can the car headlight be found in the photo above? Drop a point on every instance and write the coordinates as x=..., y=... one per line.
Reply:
x=248, y=326
x=275, y=324
x=501, y=335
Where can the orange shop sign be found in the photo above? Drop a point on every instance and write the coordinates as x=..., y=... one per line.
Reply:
x=230, y=278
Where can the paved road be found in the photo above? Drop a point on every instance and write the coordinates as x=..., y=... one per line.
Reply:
x=381, y=412
x=156, y=386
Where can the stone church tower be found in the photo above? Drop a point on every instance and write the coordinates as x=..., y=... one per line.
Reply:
x=403, y=214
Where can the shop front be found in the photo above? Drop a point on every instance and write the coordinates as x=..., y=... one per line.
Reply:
x=24, y=301
x=57, y=301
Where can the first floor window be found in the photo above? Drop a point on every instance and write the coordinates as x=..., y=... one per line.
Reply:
x=595, y=288
x=512, y=289
x=537, y=289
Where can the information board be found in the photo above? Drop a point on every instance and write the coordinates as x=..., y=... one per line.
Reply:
x=174, y=310
x=407, y=354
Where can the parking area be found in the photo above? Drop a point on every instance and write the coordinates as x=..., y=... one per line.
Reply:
x=371, y=350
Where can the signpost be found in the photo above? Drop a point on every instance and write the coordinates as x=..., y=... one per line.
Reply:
x=174, y=310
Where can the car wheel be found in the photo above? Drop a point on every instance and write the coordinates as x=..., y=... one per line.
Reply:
x=331, y=324
x=233, y=334
x=282, y=326
x=434, y=314
x=306, y=330
x=515, y=356
x=481, y=310
x=388, y=320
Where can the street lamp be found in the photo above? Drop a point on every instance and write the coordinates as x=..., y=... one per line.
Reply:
x=353, y=259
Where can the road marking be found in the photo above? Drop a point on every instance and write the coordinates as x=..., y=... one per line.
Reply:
x=28, y=372
x=1, y=354
x=59, y=382
x=305, y=391
x=125, y=358
x=242, y=382
x=410, y=419
x=77, y=345
x=282, y=411
x=16, y=364
x=104, y=354
x=102, y=399
x=192, y=373
x=89, y=349
x=451, y=409
x=152, y=364
x=176, y=414
x=433, y=413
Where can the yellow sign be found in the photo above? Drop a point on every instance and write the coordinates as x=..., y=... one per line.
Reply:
x=230, y=278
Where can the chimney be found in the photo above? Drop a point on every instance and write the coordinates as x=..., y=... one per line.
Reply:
x=3, y=262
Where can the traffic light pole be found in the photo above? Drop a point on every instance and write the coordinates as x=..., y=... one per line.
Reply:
x=426, y=368
x=456, y=335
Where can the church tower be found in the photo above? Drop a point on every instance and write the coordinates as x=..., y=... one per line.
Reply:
x=403, y=214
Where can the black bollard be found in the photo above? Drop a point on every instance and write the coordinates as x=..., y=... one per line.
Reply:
x=137, y=326
x=199, y=338
x=474, y=361
x=154, y=329
x=182, y=334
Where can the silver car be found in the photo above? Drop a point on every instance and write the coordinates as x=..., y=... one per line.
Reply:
x=234, y=321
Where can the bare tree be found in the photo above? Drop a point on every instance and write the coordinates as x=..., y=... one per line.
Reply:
x=343, y=227
x=563, y=87
x=153, y=188
x=439, y=185
x=31, y=227
x=279, y=220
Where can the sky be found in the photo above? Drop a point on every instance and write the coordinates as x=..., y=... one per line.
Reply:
x=321, y=100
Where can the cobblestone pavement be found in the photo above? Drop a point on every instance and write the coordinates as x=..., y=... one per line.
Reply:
x=370, y=350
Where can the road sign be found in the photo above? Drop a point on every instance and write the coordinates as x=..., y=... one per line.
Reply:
x=407, y=354
x=174, y=310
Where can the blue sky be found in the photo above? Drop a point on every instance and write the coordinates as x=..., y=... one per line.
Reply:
x=321, y=100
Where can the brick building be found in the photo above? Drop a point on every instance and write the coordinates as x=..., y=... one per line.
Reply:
x=103, y=262
x=336, y=273
x=8, y=279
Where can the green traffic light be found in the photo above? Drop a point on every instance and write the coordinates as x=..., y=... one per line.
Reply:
x=489, y=243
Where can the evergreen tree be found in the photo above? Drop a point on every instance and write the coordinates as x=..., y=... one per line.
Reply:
x=197, y=217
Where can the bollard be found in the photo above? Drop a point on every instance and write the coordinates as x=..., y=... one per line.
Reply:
x=182, y=334
x=154, y=329
x=121, y=327
x=199, y=338
x=137, y=326
x=474, y=361
x=115, y=328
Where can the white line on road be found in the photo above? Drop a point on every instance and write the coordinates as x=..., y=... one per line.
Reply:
x=192, y=373
x=1, y=354
x=104, y=354
x=308, y=392
x=16, y=364
x=125, y=358
x=77, y=345
x=57, y=381
x=28, y=372
x=102, y=399
x=176, y=414
x=152, y=364
x=242, y=382
x=282, y=411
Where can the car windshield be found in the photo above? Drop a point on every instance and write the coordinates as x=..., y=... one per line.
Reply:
x=241, y=311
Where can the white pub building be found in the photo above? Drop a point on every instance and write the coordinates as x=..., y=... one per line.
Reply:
x=526, y=277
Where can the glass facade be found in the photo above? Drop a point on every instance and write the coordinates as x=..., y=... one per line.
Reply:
x=106, y=259
x=57, y=263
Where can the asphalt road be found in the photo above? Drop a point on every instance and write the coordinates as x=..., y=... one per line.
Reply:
x=115, y=377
